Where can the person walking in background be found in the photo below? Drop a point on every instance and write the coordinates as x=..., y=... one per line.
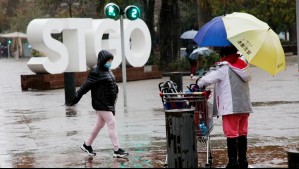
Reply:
x=232, y=101
x=201, y=63
x=104, y=90
x=193, y=63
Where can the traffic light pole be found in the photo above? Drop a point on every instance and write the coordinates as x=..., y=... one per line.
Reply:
x=132, y=12
x=124, y=66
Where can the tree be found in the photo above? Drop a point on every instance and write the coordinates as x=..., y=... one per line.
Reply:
x=188, y=14
x=6, y=12
x=23, y=16
x=60, y=8
x=149, y=10
x=204, y=12
x=169, y=32
x=4, y=24
x=11, y=6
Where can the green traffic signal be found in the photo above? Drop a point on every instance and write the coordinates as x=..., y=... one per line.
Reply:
x=132, y=12
x=112, y=11
x=9, y=42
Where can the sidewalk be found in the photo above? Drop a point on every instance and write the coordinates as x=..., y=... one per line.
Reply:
x=37, y=130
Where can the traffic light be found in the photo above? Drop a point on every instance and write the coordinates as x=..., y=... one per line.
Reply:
x=9, y=42
x=112, y=11
x=132, y=12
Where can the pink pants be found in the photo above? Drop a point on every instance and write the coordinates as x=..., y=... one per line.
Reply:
x=235, y=125
x=104, y=117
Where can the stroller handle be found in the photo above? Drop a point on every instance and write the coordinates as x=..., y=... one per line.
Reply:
x=175, y=94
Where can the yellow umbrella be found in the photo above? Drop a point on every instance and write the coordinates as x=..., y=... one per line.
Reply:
x=256, y=41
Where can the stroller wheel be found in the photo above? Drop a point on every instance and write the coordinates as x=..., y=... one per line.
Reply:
x=208, y=166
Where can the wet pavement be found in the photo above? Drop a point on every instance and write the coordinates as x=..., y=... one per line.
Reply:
x=37, y=130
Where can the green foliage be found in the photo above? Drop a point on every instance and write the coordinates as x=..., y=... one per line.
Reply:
x=180, y=65
x=36, y=53
x=152, y=61
x=211, y=60
x=183, y=64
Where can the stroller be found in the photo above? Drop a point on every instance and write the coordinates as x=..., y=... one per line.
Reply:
x=195, y=98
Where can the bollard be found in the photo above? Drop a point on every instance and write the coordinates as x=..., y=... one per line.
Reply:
x=69, y=87
x=181, y=139
x=177, y=77
x=293, y=159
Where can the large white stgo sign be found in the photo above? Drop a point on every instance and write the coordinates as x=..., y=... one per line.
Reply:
x=82, y=41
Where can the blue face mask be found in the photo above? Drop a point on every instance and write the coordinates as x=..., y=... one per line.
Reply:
x=108, y=65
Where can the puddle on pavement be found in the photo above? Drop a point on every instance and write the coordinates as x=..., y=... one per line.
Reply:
x=23, y=160
x=271, y=103
x=153, y=157
x=25, y=116
x=153, y=153
x=71, y=133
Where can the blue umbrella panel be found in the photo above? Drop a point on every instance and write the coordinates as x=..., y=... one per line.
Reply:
x=212, y=34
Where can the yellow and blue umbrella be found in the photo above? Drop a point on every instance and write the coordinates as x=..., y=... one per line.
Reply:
x=252, y=37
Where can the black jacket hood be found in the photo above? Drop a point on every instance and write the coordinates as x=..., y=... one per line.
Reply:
x=103, y=57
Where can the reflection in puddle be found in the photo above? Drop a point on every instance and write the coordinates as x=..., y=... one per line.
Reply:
x=271, y=103
x=89, y=162
x=120, y=163
x=40, y=94
x=71, y=111
x=23, y=160
x=25, y=116
x=71, y=133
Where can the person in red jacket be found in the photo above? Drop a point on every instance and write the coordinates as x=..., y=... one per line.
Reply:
x=232, y=101
x=193, y=63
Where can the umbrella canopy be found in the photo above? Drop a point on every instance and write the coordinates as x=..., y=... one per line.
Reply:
x=256, y=41
x=252, y=37
x=212, y=33
x=189, y=34
x=202, y=51
x=14, y=35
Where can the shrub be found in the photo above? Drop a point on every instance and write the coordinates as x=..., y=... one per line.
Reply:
x=36, y=53
x=180, y=65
